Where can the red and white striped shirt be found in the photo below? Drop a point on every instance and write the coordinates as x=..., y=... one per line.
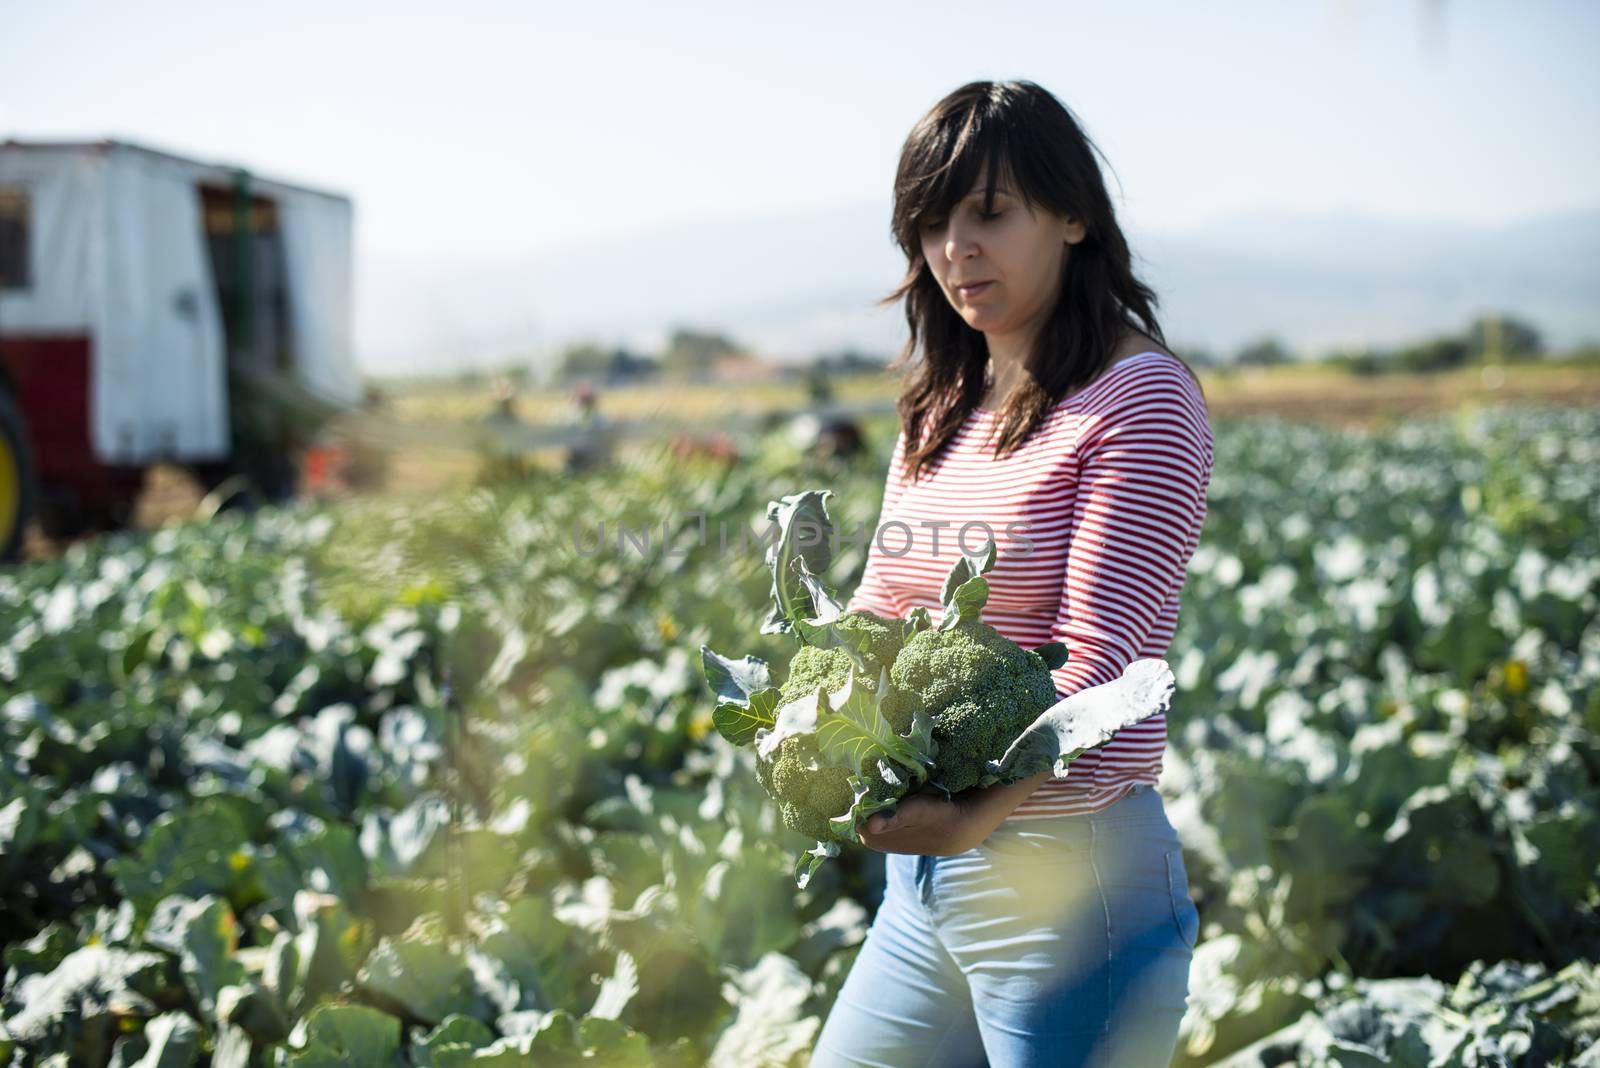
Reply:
x=1109, y=494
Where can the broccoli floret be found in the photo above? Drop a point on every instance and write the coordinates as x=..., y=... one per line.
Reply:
x=829, y=668
x=810, y=792
x=812, y=667
x=980, y=689
x=883, y=637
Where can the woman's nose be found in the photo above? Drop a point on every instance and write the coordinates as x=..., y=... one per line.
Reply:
x=958, y=245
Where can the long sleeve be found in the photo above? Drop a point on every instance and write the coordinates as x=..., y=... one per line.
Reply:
x=1139, y=504
x=1111, y=490
x=872, y=594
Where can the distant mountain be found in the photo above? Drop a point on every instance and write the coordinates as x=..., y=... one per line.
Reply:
x=1324, y=282
x=796, y=284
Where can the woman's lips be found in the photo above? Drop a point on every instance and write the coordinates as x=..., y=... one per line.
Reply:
x=973, y=289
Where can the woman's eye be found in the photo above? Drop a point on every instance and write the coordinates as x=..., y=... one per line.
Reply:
x=932, y=224
x=990, y=216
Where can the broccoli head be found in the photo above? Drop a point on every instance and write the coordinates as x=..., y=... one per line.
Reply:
x=877, y=639
x=814, y=666
x=810, y=792
x=981, y=690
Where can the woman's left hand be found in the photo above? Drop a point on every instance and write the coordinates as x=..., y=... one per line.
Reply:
x=927, y=826
x=931, y=826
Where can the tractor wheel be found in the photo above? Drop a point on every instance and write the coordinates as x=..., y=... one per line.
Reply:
x=18, y=490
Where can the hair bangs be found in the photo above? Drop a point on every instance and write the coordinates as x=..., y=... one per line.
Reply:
x=947, y=164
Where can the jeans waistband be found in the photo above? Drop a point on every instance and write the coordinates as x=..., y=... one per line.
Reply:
x=1077, y=831
x=1141, y=802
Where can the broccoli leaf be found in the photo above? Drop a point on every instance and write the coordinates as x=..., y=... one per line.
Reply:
x=799, y=716
x=1086, y=719
x=917, y=620
x=748, y=698
x=809, y=861
x=804, y=531
x=1054, y=655
x=735, y=680
x=739, y=723
x=862, y=806
x=965, y=589
x=819, y=629
x=857, y=733
x=826, y=608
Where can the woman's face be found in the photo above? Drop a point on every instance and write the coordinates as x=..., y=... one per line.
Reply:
x=1001, y=272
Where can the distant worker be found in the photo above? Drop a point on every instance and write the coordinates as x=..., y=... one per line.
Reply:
x=505, y=398
x=594, y=448
x=498, y=432
x=819, y=387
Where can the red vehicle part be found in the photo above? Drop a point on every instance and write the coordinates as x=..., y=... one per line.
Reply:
x=51, y=375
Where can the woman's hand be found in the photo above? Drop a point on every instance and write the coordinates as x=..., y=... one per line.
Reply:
x=931, y=826
x=926, y=825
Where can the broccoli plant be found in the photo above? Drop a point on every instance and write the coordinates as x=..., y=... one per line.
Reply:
x=833, y=744
x=873, y=709
x=981, y=689
x=995, y=711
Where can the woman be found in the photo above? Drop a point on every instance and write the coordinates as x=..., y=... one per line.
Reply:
x=1048, y=922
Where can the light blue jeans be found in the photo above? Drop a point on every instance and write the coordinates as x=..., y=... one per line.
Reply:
x=1063, y=942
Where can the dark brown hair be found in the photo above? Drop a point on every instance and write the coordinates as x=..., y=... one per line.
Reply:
x=1019, y=132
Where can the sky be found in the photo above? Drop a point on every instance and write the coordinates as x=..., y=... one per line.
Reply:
x=507, y=130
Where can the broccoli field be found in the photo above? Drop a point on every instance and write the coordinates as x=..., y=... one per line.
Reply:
x=386, y=783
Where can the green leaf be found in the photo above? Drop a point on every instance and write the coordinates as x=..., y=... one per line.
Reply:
x=536, y=950
x=19, y=824
x=965, y=590
x=845, y=825
x=232, y=1048
x=618, y=989
x=83, y=987
x=327, y=855
x=186, y=851
x=825, y=605
x=329, y=947
x=770, y=1024
x=734, y=681
x=612, y=1044
x=1328, y=854
x=1086, y=719
x=799, y=716
x=205, y=936
x=254, y=1009
x=748, y=698
x=452, y=1043
x=917, y=620
x=174, y=1042
x=739, y=723
x=804, y=531
x=282, y=972
x=427, y=979
x=854, y=731
x=346, y=1036
x=1054, y=655
x=807, y=863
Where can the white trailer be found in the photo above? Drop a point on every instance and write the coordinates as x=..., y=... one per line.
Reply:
x=157, y=308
